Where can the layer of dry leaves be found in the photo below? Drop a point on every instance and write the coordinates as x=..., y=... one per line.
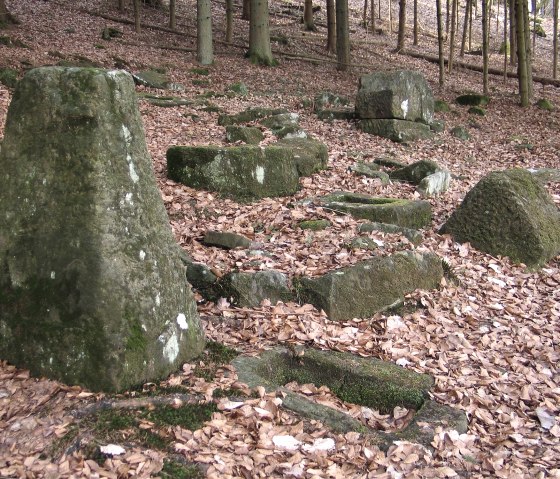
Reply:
x=489, y=338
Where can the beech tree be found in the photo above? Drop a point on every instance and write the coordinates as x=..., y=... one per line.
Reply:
x=204, y=50
x=452, y=38
x=402, y=25
x=439, y=20
x=331, y=27
x=308, y=22
x=137, y=24
x=260, y=51
x=555, y=40
x=415, y=22
x=246, y=12
x=342, y=35
x=524, y=70
x=229, y=21
x=485, y=46
x=172, y=20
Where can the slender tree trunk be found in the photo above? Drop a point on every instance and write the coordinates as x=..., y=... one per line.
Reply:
x=391, y=16
x=331, y=27
x=534, y=7
x=505, y=42
x=440, y=43
x=522, y=72
x=246, y=12
x=121, y=5
x=342, y=35
x=229, y=21
x=470, y=24
x=529, y=53
x=372, y=17
x=512, y=32
x=468, y=8
x=485, y=46
x=497, y=16
x=447, y=5
x=402, y=25
x=260, y=51
x=555, y=40
x=415, y=26
x=308, y=16
x=364, y=14
x=452, y=39
x=137, y=26
x=205, y=52
x=379, y=9
x=172, y=19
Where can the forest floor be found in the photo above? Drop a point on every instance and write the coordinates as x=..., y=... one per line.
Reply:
x=489, y=337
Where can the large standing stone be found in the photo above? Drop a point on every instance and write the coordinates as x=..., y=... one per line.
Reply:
x=402, y=94
x=361, y=290
x=92, y=287
x=511, y=214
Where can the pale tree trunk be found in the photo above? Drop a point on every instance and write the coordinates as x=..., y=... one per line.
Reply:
x=447, y=5
x=470, y=24
x=308, y=22
x=331, y=27
x=342, y=35
x=512, y=32
x=229, y=21
x=246, y=12
x=391, y=16
x=555, y=40
x=485, y=46
x=137, y=25
x=172, y=18
x=522, y=73
x=440, y=43
x=468, y=8
x=452, y=38
x=402, y=25
x=528, y=52
x=534, y=6
x=505, y=42
x=364, y=14
x=260, y=51
x=372, y=16
x=204, y=50
x=415, y=27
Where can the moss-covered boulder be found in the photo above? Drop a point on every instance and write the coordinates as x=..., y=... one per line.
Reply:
x=414, y=236
x=8, y=77
x=330, y=114
x=238, y=88
x=249, y=115
x=314, y=225
x=441, y=106
x=545, y=104
x=461, y=133
x=327, y=100
x=415, y=172
x=370, y=170
x=250, y=289
x=310, y=155
x=399, y=131
x=92, y=285
x=374, y=285
x=509, y=213
x=226, y=240
x=472, y=99
x=434, y=184
x=154, y=79
x=243, y=172
x=407, y=213
x=247, y=134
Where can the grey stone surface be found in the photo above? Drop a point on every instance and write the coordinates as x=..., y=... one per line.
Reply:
x=247, y=134
x=415, y=172
x=310, y=155
x=371, y=170
x=226, y=240
x=250, y=289
x=414, y=236
x=93, y=289
x=434, y=184
x=399, y=131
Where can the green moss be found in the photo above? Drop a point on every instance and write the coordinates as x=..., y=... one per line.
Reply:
x=214, y=356
x=197, y=82
x=476, y=110
x=8, y=77
x=473, y=99
x=200, y=71
x=441, y=106
x=545, y=104
x=190, y=416
x=177, y=470
x=136, y=341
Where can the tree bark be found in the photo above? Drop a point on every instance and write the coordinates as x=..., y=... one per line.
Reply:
x=391, y=16
x=505, y=42
x=172, y=17
x=246, y=12
x=121, y=5
x=308, y=22
x=522, y=71
x=229, y=21
x=440, y=43
x=452, y=38
x=342, y=35
x=260, y=51
x=402, y=25
x=415, y=27
x=528, y=53
x=372, y=16
x=204, y=49
x=331, y=27
x=555, y=40
x=137, y=24
x=468, y=8
x=485, y=46
x=512, y=32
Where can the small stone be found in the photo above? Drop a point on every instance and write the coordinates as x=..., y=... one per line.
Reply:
x=545, y=104
x=476, y=110
x=246, y=134
x=472, y=99
x=239, y=88
x=441, y=106
x=461, y=133
x=226, y=240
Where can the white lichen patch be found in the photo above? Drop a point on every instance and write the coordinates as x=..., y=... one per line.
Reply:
x=404, y=108
x=144, y=328
x=158, y=299
x=182, y=321
x=132, y=172
x=128, y=198
x=171, y=349
x=142, y=255
x=127, y=135
x=53, y=275
x=259, y=172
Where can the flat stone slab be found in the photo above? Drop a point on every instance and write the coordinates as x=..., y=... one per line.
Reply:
x=370, y=286
x=247, y=134
x=249, y=115
x=414, y=236
x=226, y=240
x=400, y=131
x=310, y=155
x=243, y=172
x=401, y=212
x=250, y=289
x=369, y=382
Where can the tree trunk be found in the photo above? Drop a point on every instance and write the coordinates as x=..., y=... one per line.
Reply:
x=137, y=25
x=246, y=12
x=372, y=17
x=468, y=8
x=512, y=32
x=415, y=26
x=260, y=51
x=364, y=15
x=505, y=42
x=402, y=25
x=229, y=21
x=204, y=50
x=452, y=39
x=391, y=16
x=121, y=5
x=172, y=18
x=485, y=46
x=342, y=35
x=555, y=40
x=308, y=16
x=534, y=7
x=331, y=27
x=529, y=53
x=447, y=5
x=522, y=71
x=440, y=43
x=470, y=24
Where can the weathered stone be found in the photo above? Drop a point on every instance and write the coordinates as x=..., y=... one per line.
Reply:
x=109, y=33
x=407, y=213
x=290, y=132
x=201, y=277
x=93, y=286
x=250, y=289
x=434, y=184
x=310, y=155
x=437, y=126
x=325, y=100
x=400, y=131
x=249, y=115
x=154, y=79
x=247, y=134
x=545, y=175
x=545, y=104
x=370, y=286
x=330, y=114
x=314, y=225
x=226, y=240
x=476, y=110
x=389, y=161
x=362, y=242
x=472, y=99
x=414, y=236
x=415, y=172
x=244, y=172
x=8, y=77
x=509, y=213
x=281, y=121
x=239, y=88
x=461, y=133
x=368, y=382
x=441, y=106
x=402, y=94
x=371, y=170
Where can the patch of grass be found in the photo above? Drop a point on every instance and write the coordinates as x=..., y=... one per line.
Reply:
x=190, y=416
x=176, y=470
x=214, y=356
x=200, y=71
